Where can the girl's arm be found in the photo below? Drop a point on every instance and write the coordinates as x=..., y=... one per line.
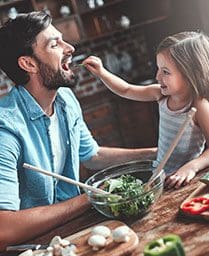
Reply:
x=119, y=86
x=188, y=171
x=108, y=156
x=202, y=116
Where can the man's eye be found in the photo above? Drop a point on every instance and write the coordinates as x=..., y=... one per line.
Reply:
x=54, y=45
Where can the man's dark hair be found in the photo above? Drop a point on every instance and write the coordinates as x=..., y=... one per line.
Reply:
x=16, y=39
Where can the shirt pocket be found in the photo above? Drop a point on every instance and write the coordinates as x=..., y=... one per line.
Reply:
x=38, y=186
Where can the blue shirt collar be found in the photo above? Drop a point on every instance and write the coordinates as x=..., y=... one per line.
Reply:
x=33, y=108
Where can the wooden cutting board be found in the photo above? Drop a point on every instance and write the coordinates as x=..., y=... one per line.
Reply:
x=201, y=190
x=111, y=249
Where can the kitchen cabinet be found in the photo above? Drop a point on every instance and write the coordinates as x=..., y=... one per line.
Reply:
x=63, y=13
x=94, y=18
x=82, y=20
x=105, y=17
x=9, y=8
x=65, y=17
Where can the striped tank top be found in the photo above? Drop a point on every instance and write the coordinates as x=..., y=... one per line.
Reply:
x=191, y=144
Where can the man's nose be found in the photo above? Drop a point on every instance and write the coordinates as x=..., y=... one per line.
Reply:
x=69, y=48
x=72, y=48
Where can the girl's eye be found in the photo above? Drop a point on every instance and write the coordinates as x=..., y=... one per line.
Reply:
x=165, y=72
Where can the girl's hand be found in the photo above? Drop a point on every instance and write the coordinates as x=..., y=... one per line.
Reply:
x=94, y=65
x=181, y=177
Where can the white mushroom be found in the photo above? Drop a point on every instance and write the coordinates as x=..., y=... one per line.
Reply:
x=55, y=240
x=97, y=242
x=43, y=253
x=121, y=234
x=71, y=253
x=27, y=253
x=68, y=251
x=64, y=242
x=61, y=247
x=50, y=249
x=101, y=230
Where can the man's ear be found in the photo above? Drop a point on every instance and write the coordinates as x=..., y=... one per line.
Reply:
x=28, y=64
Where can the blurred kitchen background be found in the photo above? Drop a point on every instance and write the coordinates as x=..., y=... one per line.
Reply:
x=124, y=33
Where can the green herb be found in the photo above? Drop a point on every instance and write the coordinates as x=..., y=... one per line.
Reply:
x=133, y=201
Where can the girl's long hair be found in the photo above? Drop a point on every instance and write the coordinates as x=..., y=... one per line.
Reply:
x=190, y=52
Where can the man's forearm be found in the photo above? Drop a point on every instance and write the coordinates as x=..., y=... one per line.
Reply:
x=19, y=226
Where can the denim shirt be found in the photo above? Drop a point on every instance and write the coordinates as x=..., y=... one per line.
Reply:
x=25, y=138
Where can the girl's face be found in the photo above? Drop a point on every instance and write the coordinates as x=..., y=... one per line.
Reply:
x=172, y=82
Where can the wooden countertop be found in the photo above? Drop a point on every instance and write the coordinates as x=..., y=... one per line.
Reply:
x=161, y=220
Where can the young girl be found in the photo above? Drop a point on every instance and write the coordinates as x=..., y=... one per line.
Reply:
x=183, y=77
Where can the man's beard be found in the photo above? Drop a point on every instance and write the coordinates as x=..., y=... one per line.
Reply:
x=52, y=79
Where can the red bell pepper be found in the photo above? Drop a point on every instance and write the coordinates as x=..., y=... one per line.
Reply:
x=196, y=205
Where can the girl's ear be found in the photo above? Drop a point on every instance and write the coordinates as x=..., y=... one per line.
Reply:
x=28, y=64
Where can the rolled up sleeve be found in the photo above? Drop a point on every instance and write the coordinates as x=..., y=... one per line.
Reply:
x=9, y=185
x=88, y=145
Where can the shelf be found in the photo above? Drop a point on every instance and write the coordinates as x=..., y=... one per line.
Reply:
x=111, y=33
x=69, y=27
x=106, y=19
x=64, y=19
x=98, y=8
x=11, y=3
x=99, y=22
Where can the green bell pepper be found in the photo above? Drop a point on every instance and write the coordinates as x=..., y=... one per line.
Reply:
x=170, y=245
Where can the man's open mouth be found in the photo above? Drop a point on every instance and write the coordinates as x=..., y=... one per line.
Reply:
x=66, y=63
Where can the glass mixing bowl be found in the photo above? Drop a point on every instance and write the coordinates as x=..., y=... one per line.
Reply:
x=126, y=205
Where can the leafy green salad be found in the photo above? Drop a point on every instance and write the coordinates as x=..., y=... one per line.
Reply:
x=131, y=200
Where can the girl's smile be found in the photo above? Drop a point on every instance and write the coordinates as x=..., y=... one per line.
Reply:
x=172, y=82
x=163, y=87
